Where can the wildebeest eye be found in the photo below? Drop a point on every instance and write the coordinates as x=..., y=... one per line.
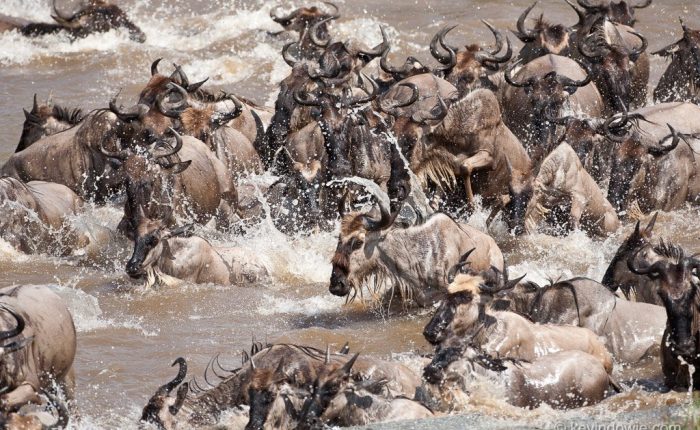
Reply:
x=355, y=244
x=151, y=240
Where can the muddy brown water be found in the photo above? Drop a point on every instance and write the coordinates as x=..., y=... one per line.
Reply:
x=128, y=337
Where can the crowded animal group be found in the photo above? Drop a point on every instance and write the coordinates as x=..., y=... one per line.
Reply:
x=560, y=136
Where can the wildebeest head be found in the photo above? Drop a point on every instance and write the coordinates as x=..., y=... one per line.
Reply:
x=332, y=379
x=162, y=408
x=620, y=12
x=676, y=278
x=359, y=235
x=462, y=313
x=303, y=18
x=612, y=65
x=44, y=120
x=265, y=388
x=630, y=159
x=544, y=38
x=686, y=52
x=546, y=96
x=472, y=64
x=618, y=274
x=97, y=16
x=148, y=177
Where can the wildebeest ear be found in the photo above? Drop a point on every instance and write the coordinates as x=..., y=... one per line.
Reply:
x=179, y=167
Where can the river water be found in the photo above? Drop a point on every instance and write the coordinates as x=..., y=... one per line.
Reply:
x=128, y=337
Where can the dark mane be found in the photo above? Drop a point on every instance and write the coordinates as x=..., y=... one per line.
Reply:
x=670, y=250
x=71, y=116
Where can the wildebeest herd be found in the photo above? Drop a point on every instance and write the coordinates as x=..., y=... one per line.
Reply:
x=558, y=137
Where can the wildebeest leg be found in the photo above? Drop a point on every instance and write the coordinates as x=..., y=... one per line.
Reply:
x=477, y=161
x=19, y=397
x=578, y=204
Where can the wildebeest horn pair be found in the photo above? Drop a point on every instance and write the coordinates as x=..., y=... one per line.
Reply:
x=173, y=110
x=597, y=53
x=563, y=80
x=491, y=57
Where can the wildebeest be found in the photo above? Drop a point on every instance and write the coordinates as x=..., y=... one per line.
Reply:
x=39, y=345
x=95, y=16
x=311, y=23
x=544, y=88
x=543, y=38
x=44, y=120
x=621, y=12
x=562, y=380
x=472, y=67
x=612, y=64
x=463, y=317
x=489, y=158
x=619, y=277
x=631, y=330
x=562, y=182
x=75, y=156
x=651, y=169
x=162, y=253
x=35, y=216
x=199, y=187
x=676, y=277
x=414, y=260
x=681, y=80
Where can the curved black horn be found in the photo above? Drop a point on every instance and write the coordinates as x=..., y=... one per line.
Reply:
x=286, y=55
x=458, y=266
x=168, y=152
x=637, y=52
x=523, y=34
x=135, y=112
x=483, y=56
x=225, y=117
x=313, y=32
x=660, y=150
x=568, y=82
x=194, y=87
x=35, y=105
x=119, y=155
x=181, y=373
x=391, y=109
x=371, y=94
x=509, y=79
x=175, y=110
x=19, y=327
x=183, y=76
x=154, y=67
x=440, y=38
x=379, y=49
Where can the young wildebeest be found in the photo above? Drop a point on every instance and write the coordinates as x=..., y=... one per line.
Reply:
x=681, y=80
x=632, y=331
x=161, y=252
x=562, y=380
x=96, y=16
x=463, y=318
x=45, y=120
x=414, y=260
x=35, y=216
x=618, y=276
x=562, y=182
x=38, y=345
x=676, y=277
